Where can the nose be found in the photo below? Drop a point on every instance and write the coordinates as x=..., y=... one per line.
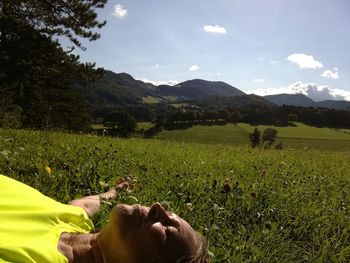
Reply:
x=158, y=213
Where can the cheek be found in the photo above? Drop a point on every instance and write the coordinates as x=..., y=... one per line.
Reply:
x=149, y=241
x=157, y=234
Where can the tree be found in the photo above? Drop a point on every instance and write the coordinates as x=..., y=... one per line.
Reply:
x=161, y=120
x=36, y=74
x=121, y=121
x=269, y=136
x=224, y=115
x=292, y=117
x=254, y=138
x=72, y=19
x=235, y=116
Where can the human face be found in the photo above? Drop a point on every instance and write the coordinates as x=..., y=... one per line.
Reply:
x=143, y=234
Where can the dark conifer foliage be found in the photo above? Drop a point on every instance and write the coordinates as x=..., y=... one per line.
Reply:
x=36, y=74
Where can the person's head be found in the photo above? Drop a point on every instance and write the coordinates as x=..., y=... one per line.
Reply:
x=150, y=235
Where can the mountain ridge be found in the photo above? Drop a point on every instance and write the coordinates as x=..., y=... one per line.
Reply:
x=121, y=89
x=300, y=99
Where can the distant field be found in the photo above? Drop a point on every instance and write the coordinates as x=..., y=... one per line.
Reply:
x=344, y=130
x=302, y=136
x=144, y=125
x=179, y=105
x=302, y=131
x=150, y=100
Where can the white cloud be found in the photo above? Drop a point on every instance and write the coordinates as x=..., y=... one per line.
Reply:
x=157, y=65
x=331, y=74
x=304, y=61
x=215, y=29
x=314, y=91
x=161, y=82
x=194, y=68
x=258, y=80
x=218, y=73
x=120, y=11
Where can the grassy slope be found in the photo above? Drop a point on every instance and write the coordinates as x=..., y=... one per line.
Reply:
x=304, y=136
x=285, y=206
x=150, y=100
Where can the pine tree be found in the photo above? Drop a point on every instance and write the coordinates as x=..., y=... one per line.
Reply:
x=254, y=138
x=36, y=74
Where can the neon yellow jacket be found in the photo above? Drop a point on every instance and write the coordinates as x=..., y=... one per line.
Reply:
x=32, y=223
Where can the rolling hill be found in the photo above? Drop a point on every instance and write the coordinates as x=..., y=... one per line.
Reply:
x=121, y=89
x=198, y=89
x=291, y=99
x=304, y=101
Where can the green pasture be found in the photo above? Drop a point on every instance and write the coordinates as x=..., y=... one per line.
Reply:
x=179, y=105
x=299, y=137
x=281, y=206
x=301, y=131
x=304, y=137
x=144, y=125
x=150, y=100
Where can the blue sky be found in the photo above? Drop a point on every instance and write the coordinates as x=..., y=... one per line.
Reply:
x=260, y=46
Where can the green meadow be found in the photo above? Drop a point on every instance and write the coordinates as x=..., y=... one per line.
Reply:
x=289, y=205
x=299, y=137
x=150, y=100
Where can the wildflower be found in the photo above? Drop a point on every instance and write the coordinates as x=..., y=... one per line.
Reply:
x=103, y=183
x=47, y=169
x=189, y=206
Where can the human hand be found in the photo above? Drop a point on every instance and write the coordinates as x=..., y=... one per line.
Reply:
x=124, y=184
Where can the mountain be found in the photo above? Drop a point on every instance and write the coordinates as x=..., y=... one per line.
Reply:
x=304, y=101
x=238, y=102
x=291, y=99
x=198, y=89
x=335, y=104
x=121, y=89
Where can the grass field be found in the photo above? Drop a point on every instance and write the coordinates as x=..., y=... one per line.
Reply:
x=302, y=131
x=227, y=134
x=299, y=137
x=284, y=206
x=150, y=100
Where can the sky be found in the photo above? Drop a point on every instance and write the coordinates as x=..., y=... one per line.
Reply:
x=258, y=46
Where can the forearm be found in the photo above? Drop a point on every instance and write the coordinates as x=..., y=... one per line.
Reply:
x=91, y=204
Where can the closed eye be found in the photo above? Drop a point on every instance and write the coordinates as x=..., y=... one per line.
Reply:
x=167, y=229
x=170, y=229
